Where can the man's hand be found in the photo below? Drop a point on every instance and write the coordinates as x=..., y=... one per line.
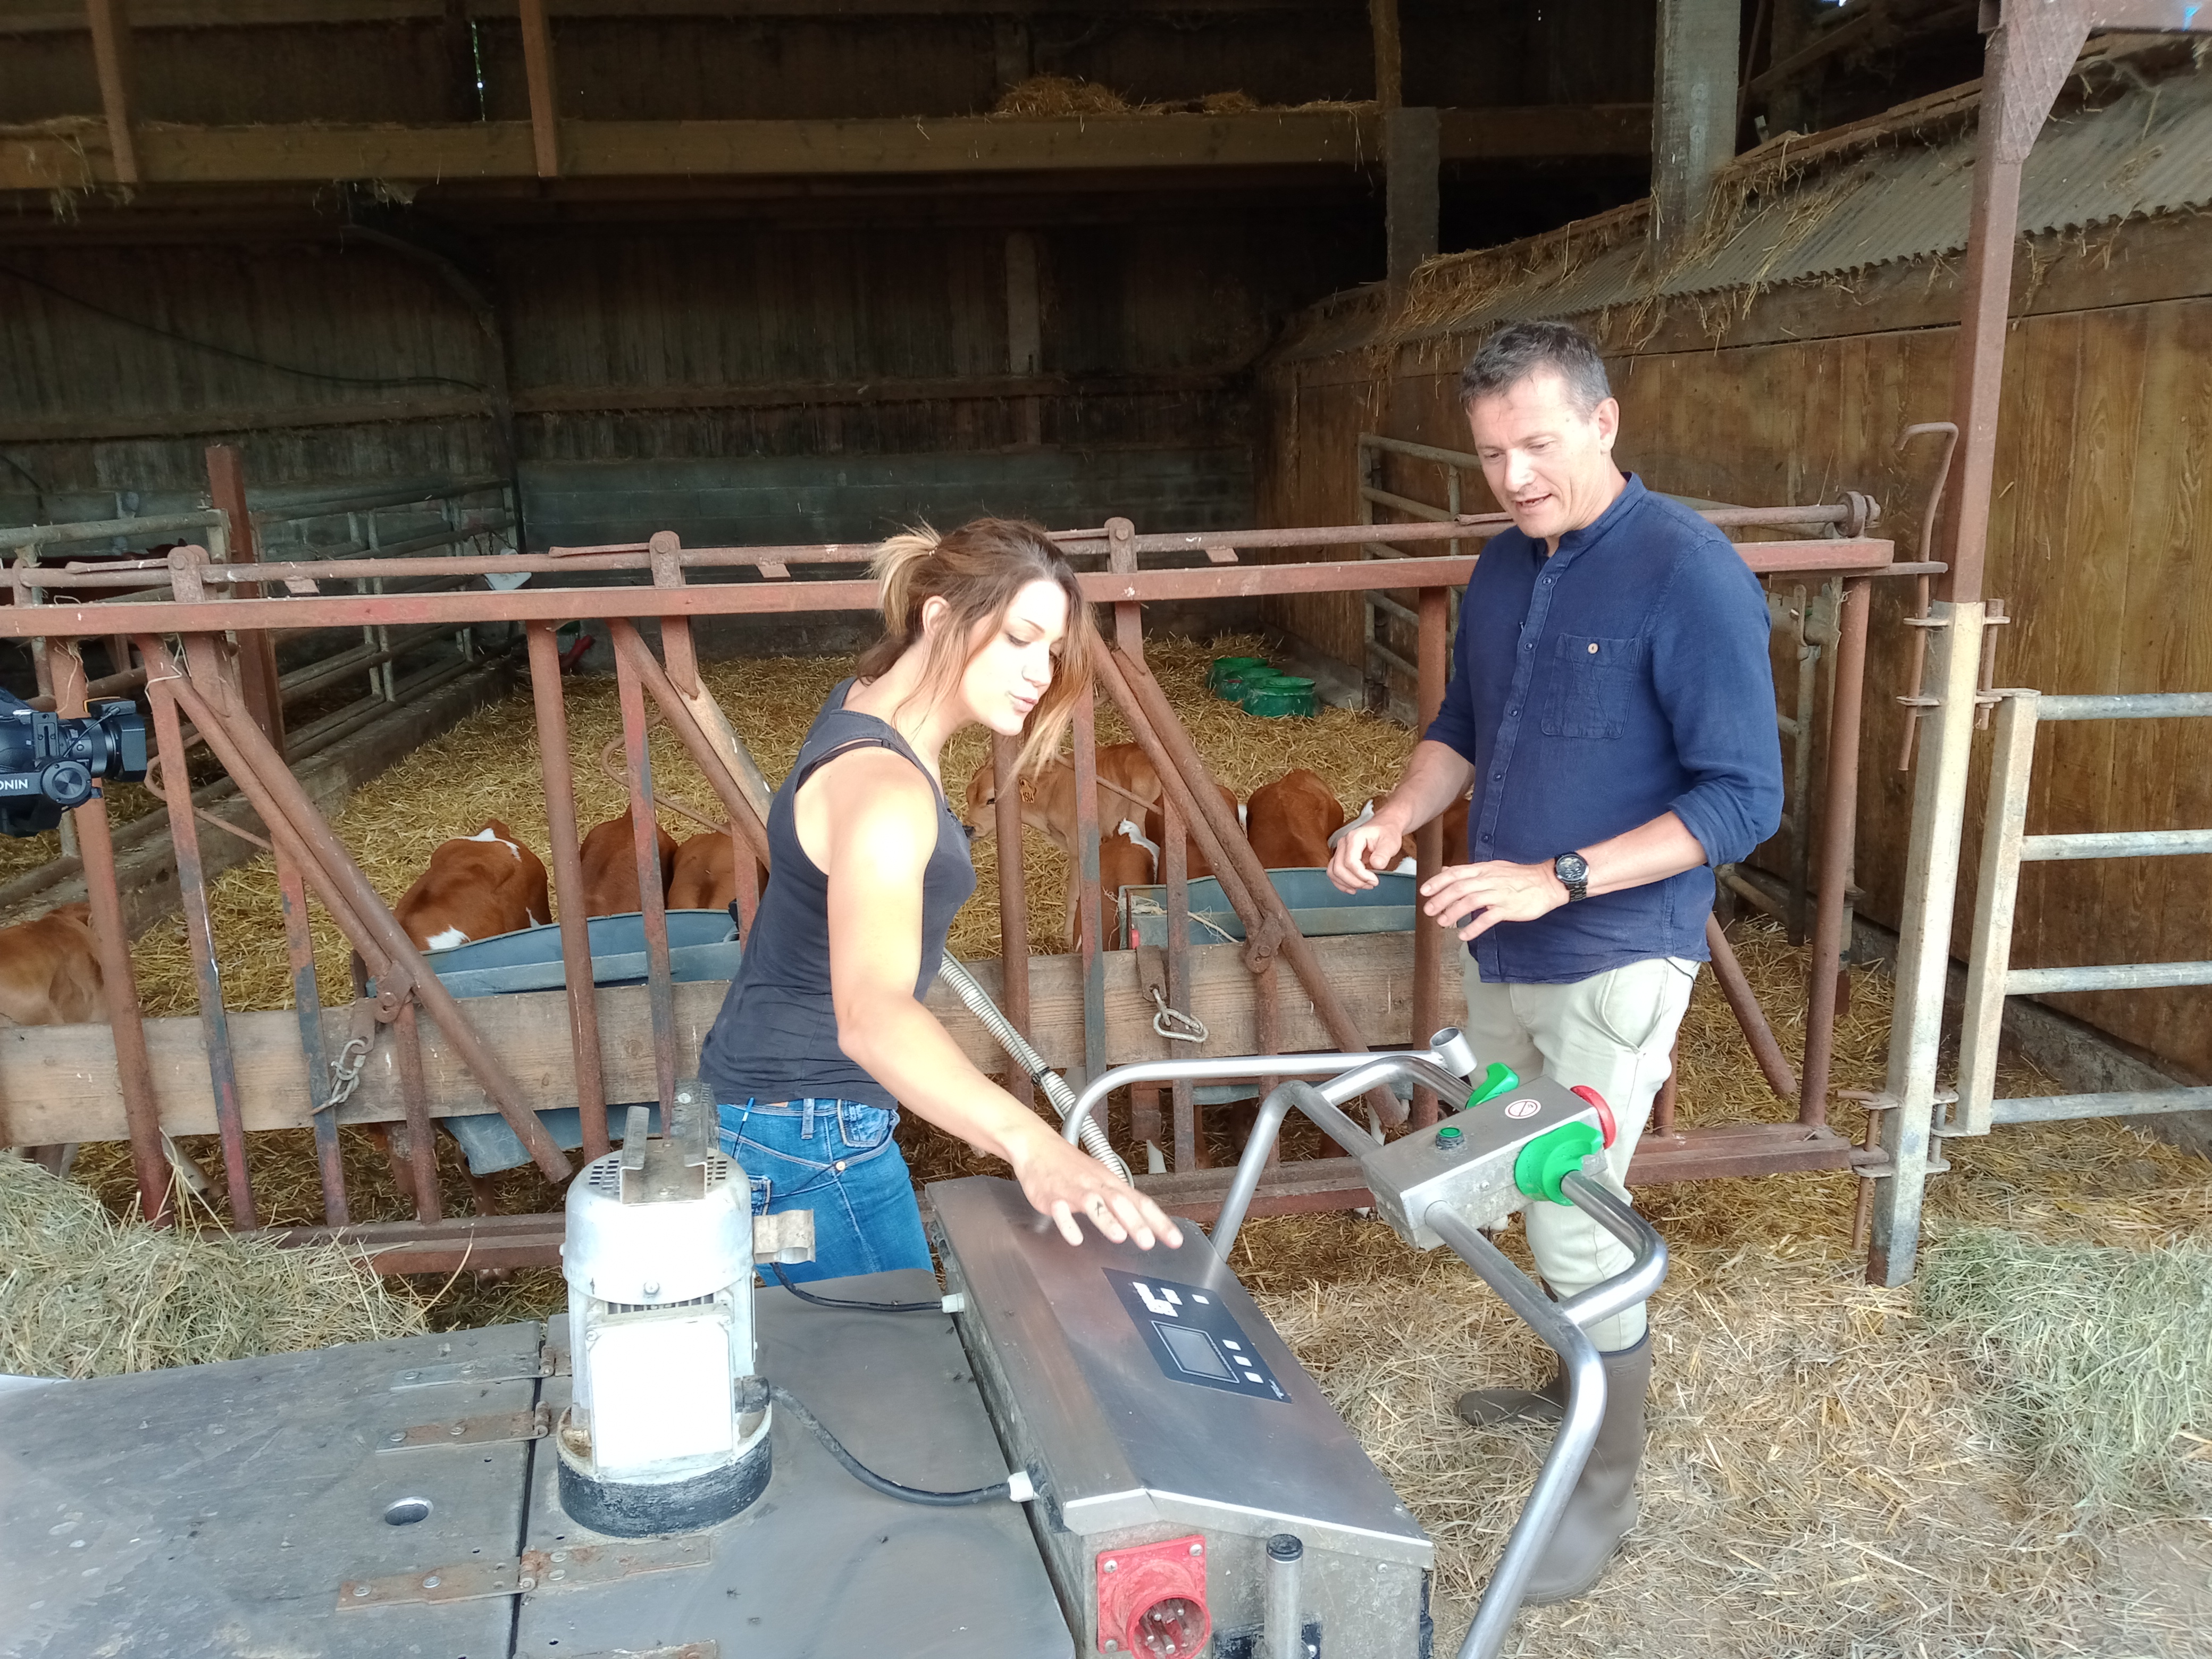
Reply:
x=1473, y=898
x=1373, y=845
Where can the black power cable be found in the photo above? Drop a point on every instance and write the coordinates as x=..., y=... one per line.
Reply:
x=867, y=1477
x=784, y=1280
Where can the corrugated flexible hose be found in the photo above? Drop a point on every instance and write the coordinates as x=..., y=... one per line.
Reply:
x=1055, y=1086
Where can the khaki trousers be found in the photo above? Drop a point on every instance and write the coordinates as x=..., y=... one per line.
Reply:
x=1615, y=1032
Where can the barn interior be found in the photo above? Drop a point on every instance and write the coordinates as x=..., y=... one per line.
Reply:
x=526, y=311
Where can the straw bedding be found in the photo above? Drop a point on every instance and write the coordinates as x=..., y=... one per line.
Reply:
x=83, y=1293
x=1834, y=1469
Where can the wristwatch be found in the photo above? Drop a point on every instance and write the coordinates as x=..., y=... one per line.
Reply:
x=1573, y=870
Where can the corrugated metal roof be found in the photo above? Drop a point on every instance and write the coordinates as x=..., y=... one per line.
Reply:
x=2147, y=151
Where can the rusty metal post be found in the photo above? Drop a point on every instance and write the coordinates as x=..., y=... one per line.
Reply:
x=1662, y=1105
x=1175, y=856
x=652, y=898
x=207, y=965
x=747, y=823
x=307, y=1005
x=134, y=1070
x=276, y=794
x=421, y=1133
x=1743, y=1003
x=1013, y=907
x=265, y=697
x=560, y=836
x=1090, y=904
x=1838, y=828
x=1429, y=942
x=1268, y=922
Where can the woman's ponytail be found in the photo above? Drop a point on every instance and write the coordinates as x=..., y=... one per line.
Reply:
x=898, y=570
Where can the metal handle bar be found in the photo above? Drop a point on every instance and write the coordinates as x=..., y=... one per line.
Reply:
x=1448, y=1059
x=1635, y=1282
x=1560, y=1324
x=1321, y=1104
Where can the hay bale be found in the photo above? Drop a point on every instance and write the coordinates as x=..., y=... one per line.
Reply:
x=84, y=1294
x=2096, y=1361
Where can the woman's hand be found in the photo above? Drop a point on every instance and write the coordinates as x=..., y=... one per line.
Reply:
x=1064, y=1181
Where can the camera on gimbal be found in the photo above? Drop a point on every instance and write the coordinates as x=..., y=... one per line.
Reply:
x=50, y=762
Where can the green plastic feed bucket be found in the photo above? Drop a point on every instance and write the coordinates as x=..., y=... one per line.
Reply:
x=1277, y=695
x=1224, y=676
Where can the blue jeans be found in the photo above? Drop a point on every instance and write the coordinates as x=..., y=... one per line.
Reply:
x=836, y=1158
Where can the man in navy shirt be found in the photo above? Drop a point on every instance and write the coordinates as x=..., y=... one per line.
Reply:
x=1612, y=708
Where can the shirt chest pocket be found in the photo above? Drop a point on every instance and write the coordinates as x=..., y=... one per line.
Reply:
x=1592, y=681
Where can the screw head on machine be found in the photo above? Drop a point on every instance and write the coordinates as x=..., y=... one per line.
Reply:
x=1108, y=1567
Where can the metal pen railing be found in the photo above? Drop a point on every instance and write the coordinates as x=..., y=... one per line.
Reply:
x=2006, y=845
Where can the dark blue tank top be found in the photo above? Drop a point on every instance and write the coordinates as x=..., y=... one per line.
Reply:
x=776, y=1036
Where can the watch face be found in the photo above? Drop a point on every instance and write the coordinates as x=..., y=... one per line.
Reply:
x=1571, y=866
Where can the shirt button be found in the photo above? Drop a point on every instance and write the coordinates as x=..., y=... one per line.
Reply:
x=1593, y=650
x=1497, y=777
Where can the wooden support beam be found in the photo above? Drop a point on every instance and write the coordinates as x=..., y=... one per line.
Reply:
x=454, y=154
x=58, y=1082
x=1693, y=112
x=111, y=57
x=25, y=17
x=1389, y=55
x=1411, y=141
x=537, y=69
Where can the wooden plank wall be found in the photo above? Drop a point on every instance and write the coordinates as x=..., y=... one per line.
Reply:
x=2100, y=542
x=718, y=349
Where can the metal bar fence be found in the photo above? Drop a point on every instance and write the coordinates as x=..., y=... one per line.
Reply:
x=2006, y=845
x=310, y=856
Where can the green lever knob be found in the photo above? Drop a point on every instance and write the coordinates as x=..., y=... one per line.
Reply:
x=1548, y=1159
x=1495, y=1082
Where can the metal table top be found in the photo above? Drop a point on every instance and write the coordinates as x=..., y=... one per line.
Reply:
x=229, y=1511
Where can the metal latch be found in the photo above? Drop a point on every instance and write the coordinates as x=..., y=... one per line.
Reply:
x=572, y=1567
x=531, y=1423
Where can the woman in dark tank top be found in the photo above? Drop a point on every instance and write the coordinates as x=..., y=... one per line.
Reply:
x=823, y=1034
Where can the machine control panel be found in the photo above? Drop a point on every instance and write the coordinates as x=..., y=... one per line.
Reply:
x=1466, y=1163
x=1194, y=1338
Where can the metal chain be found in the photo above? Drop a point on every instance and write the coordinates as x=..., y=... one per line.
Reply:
x=1173, y=1023
x=345, y=1072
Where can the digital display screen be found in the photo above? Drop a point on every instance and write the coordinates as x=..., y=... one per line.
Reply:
x=1194, y=1351
x=1194, y=1338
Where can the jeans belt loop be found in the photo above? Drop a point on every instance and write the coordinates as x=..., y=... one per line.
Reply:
x=806, y=1120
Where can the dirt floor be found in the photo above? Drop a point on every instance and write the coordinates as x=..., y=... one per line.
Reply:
x=1822, y=1479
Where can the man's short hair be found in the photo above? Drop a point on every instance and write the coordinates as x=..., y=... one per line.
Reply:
x=1520, y=349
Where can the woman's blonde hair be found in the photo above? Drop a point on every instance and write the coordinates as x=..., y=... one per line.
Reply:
x=977, y=570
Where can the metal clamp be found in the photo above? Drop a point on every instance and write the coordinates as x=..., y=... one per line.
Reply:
x=346, y=1073
x=1173, y=1023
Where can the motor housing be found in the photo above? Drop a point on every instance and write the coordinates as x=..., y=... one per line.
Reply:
x=668, y=1425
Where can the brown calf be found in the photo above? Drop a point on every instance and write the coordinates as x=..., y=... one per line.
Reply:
x=477, y=886
x=609, y=860
x=1289, y=822
x=50, y=976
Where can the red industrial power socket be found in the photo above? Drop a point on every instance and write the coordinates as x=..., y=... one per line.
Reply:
x=1151, y=1600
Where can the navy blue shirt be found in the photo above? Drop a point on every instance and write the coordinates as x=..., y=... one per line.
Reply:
x=1593, y=691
